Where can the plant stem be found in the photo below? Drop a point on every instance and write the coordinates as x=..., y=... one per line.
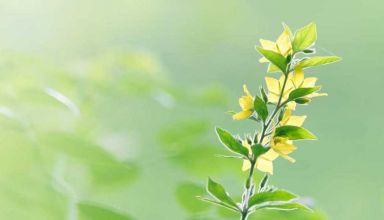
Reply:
x=249, y=184
x=278, y=106
x=244, y=216
x=248, y=190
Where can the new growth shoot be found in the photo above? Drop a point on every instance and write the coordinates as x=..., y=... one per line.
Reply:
x=278, y=128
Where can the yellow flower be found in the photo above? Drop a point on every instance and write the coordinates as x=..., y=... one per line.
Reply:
x=282, y=146
x=289, y=119
x=295, y=80
x=279, y=146
x=264, y=162
x=246, y=104
x=298, y=81
x=282, y=45
x=275, y=86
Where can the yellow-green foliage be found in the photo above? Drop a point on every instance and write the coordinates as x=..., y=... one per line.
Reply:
x=279, y=128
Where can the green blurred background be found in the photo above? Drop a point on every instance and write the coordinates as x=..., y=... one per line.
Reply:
x=108, y=107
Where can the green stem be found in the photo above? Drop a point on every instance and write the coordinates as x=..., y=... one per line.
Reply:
x=248, y=190
x=244, y=216
x=278, y=106
x=249, y=184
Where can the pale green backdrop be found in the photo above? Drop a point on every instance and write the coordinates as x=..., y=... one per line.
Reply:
x=114, y=102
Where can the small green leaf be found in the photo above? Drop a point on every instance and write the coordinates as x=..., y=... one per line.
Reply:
x=293, y=133
x=281, y=114
x=229, y=156
x=275, y=58
x=302, y=101
x=261, y=108
x=301, y=92
x=231, y=112
x=278, y=195
x=289, y=58
x=263, y=183
x=304, y=37
x=309, y=51
x=316, y=61
x=284, y=206
x=264, y=95
x=255, y=136
x=218, y=192
x=218, y=203
x=258, y=150
x=231, y=143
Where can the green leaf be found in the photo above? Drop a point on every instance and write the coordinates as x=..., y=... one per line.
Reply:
x=284, y=206
x=261, y=108
x=264, y=95
x=231, y=112
x=88, y=211
x=309, y=51
x=218, y=192
x=255, y=137
x=302, y=101
x=289, y=58
x=278, y=195
x=293, y=133
x=275, y=58
x=301, y=92
x=317, y=61
x=258, y=150
x=231, y=143
x=105, y=170
x=218, y=203
x=304, y=37
x=281, y=114
x=263, y=183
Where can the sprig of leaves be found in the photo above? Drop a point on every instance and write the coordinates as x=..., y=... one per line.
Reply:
x=282, y=59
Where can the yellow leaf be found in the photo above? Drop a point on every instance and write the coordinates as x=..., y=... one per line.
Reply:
x=284, y=43
x=268, y=45
x=298, y=77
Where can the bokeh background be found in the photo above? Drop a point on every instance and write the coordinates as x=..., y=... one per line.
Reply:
x=107, y=108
